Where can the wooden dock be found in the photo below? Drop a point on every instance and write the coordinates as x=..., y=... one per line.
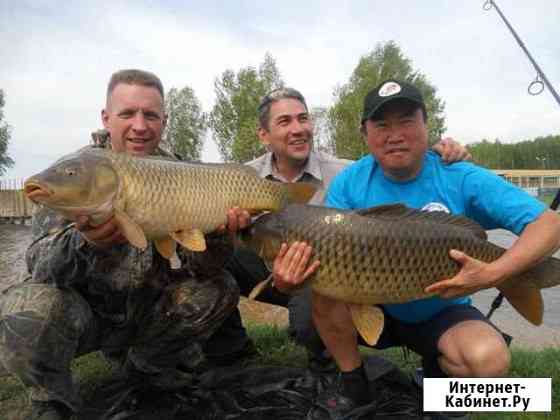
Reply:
x=14, y=206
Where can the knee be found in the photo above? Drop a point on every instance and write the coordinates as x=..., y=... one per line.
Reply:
x=488, y=360
x=201, y=305
x=44, y=305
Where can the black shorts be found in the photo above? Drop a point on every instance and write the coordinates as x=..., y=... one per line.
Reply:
x=423, y=337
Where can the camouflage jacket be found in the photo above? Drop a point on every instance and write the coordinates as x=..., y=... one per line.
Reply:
x=60, y=256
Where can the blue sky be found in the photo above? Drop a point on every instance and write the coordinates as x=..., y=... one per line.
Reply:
x=56, y=61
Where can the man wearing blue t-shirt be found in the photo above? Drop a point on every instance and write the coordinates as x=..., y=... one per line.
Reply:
x=453, y=337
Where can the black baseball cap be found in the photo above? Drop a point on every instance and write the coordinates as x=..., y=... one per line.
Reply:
x=388, y=91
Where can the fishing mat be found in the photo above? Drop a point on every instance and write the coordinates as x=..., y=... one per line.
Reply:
x=259, y=393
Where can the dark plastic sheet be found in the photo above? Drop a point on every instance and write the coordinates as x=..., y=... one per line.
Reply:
x=262, y=393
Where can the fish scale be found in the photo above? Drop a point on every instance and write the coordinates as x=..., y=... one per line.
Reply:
x=156, y=198
x=369, y=260
x=183, y=187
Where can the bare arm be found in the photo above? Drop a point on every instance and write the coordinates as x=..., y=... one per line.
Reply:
x=539, y=239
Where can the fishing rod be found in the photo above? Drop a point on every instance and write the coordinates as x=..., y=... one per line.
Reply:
x=536, y=86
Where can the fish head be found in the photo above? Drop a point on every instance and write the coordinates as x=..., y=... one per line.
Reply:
x=265, y=236
x=81, y=184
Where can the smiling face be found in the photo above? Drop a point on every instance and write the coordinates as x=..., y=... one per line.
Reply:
x=397, y=137
x=289, y=134
x=135, y=119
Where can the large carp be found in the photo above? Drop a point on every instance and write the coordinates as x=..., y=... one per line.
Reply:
x=390, y=254
x=158, y=199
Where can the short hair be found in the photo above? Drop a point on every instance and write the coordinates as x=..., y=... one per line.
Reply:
x=134, y=77
x=275, y=96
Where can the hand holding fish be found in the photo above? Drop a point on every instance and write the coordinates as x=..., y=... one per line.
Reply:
x=291, y=265
x=104, y=235
x=474, y=276
x=237, y=219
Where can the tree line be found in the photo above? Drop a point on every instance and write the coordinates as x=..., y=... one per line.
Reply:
x=539, y=153
x=233, y=117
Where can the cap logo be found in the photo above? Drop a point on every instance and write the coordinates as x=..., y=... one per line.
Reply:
x=389, y=89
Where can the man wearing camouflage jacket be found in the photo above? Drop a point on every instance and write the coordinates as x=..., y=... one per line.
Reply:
x=90, y=290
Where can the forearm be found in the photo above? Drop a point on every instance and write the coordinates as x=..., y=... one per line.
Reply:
x=538, y=240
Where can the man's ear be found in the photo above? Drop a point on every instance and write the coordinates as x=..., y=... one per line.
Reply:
x=263, y=134
x=164, y=121
x=105, y=118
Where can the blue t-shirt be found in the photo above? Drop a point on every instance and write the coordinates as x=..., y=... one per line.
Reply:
x=460, y=188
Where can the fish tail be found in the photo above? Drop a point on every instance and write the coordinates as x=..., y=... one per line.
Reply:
x=298, y=192
x=524, y=291
x=526, y=299
x=259, y=288
x=545, y=274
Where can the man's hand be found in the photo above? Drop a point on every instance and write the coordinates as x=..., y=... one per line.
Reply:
x=237, y=219
x=291, y=266
x=104, y=235
x=451, y=151
x=474, y=276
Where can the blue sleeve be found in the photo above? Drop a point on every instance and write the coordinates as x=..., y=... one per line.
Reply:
x=496, y=203
x=337, y=196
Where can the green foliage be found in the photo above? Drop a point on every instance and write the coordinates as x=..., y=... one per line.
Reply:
x=186, y=123
x=539, y=153
x=385, y=62
x=5, y=160
x=234, y=116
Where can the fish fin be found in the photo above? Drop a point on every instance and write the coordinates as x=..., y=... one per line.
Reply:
x=166, y=247
x=392, y=210
x=192, y=239
x=131, y=230
x=258, y=289
x=299, y=192
x=229, y=165
x=526, y=300
x=175, y=261
x=398, y=211
x=369, y=321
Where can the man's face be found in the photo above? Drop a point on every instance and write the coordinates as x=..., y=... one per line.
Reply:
x=398, y=139
x=290, y=131
x=135, y=119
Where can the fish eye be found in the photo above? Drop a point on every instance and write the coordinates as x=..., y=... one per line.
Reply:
x=70, y=171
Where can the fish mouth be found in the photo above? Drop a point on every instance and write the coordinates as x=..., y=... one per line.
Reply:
x=35, y=191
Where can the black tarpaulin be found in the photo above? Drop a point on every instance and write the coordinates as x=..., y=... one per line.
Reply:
x=261, y=393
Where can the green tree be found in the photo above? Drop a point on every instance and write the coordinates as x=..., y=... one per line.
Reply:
x=186, y=123
x=233, y=119
x=385, y=62
x=5, y=160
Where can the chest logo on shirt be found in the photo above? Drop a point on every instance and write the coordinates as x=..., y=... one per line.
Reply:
x=435, y=207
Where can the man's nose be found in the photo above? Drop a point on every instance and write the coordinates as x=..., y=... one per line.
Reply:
x=296, y=127
x=394, y=135
x=139, y=122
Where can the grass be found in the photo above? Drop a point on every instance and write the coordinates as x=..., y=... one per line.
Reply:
x=275, y=348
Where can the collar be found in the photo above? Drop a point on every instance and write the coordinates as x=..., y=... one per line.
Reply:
x=312, y=167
